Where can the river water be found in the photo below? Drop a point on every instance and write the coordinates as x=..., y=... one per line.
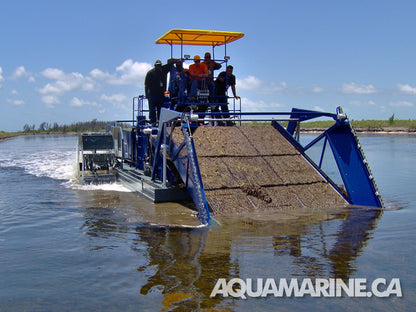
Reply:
x=66, y=247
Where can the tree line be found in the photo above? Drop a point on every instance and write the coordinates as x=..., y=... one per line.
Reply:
x=81, y=126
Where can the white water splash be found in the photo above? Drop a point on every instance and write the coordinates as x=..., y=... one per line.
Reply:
x=117, y=187
x=55, y=162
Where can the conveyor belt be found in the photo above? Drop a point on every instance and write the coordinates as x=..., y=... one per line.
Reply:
x=254, y=168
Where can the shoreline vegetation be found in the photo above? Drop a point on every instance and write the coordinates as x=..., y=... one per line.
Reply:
x=74, y=128
x=391, y=126
x=367, y=126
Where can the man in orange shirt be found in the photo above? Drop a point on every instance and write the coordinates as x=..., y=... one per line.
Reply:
x=198, y=72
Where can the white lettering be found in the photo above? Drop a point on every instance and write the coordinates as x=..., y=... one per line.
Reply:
x=288, y=289
x=375, y=289
x=239, y=292
x=307, y=288
x=395, y=288
x=332, y=287
x=270, y=288
x=258, y=292
x=360, y=287
x=220, y=288
x=320, y=287
x=341, y=286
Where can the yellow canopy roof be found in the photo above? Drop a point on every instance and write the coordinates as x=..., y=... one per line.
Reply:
x=198, y=37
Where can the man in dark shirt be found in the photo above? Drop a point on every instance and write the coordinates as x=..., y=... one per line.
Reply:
x=224, y=80
x=211, y=65
x=155, y=87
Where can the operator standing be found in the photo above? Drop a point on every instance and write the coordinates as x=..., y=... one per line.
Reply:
x=225, y=80
x=211, y=65
x=155, y=87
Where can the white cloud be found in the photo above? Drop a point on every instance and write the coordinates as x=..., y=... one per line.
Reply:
x=1, y=77
x=114, y=98
x=100, y=75
x=352, y=88
x=50, y=100
x=131, y=72
x=361, y=103
x=318, y=108
x=276, y=88
x=118, y=101
x=401, y=104
x=128, y=73
x=53, y=73
x=259, y=106
x=253, y=83
x=20, y=72
x=50, y=88
x=249, y=83
x=317, y=89
x=63, y=83
x=407, y=89
x=77, y=102
x=16, y=102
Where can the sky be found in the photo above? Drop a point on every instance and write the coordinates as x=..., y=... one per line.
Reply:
x=70, y=61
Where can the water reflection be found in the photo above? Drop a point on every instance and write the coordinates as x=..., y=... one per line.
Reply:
x=352, y=236
x=70, y=249
x=101, y=217
x=184, y=265
x=184, y=271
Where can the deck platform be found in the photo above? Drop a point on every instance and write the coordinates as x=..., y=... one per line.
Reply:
x=153, y=190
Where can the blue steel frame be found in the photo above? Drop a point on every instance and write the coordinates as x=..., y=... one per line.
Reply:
x=352, y=165
x=147, y=153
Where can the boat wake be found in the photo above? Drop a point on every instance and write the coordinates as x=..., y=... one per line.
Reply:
x=54, y=164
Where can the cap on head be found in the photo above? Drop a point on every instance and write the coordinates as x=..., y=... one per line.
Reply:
x=197, y=57
x=158, y=62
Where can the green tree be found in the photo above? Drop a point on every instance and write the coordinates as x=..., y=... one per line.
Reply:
x=391, y=119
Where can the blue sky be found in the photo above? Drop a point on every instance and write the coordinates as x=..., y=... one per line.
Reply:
x=68, y=61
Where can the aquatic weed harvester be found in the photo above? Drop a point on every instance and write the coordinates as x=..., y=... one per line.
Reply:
x=191, y=155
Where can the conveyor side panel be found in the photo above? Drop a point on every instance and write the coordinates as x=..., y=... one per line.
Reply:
x=352, y=165
x=188, y=168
